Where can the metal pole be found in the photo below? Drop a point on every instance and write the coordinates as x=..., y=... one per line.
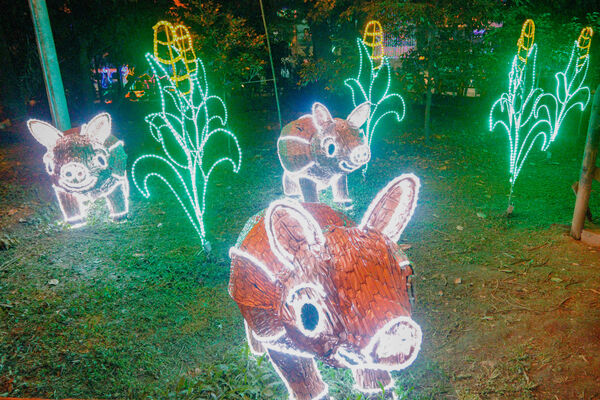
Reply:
x=50, y=68
x=587, y=168
x=262, y=11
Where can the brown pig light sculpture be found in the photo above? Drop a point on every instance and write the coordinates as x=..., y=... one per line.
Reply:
x=310, y=283
x=85, y=164
x=318, y=151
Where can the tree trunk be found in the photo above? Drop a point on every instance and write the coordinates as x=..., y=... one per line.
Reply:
x=428, y=98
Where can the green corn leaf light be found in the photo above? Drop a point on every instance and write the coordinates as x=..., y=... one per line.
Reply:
x=525, y=112
x=189, y=129
x=570, y=92
x=518, y=112
x=373, y=85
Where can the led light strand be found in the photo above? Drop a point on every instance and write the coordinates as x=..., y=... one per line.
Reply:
x=583, y=44
x=79, y=182
x=570, y=91
x=365, y=88
x=520, y=109
x=373, y=37
x=525, y=41
x=287, y=219
x=180, y=51
x=184, y=139
x=305, y=153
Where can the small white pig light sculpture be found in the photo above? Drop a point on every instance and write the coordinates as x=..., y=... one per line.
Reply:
x=318, y=151
x=311, y=284
x=84, y=164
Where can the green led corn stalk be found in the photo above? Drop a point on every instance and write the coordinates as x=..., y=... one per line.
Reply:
x=189, y=129
x=518, y=111
x=373, y=86
x=570, y=91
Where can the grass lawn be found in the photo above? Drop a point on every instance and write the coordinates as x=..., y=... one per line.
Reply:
x=510, y=307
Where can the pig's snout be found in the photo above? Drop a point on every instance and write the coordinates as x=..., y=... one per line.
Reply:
x=360, y=155
x=75, y=175
x=396, y=345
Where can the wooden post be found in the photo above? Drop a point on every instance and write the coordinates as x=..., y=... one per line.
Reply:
x=50, y=68
x=588, y=168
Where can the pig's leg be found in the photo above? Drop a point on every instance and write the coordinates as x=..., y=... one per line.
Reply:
x=339, y=188
x=117, y=200
x=291, y=186
x=301, y=376
x=71, y=207
x=256, y=347
x=309, y=190
x=369, y=382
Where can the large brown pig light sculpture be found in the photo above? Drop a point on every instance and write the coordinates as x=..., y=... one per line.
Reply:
x=310, y=284
x=85, y=164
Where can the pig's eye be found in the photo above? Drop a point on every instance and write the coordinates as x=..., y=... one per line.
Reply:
x=309, y=316
x=50, y=167
x=331, y=150
x=309, y=309
x=101, y=160
x=329, y=147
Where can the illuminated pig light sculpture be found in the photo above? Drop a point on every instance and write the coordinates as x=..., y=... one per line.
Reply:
x=311, y=284
x=85, y=164
x=318, y=151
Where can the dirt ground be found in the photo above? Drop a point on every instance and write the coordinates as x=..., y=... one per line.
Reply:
x=510, y=307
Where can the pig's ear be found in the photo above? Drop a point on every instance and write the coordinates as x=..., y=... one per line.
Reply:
x=252, y=283
x=292, y=230
x=321, y=115
x=359, y=115
x=393, y=207
x=98, y=129
x=44, y=133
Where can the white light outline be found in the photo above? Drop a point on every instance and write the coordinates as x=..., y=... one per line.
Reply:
x=287, y=385
x=328, y=119
x=381, y=332
x=189, y=174
x=98, y=130
x=399, y=212
x=331, y=140
x=282, y=344
x=547, y=112
x=235, y=252
x=298, y=303
x=310, y=228
x=322, y=179
x=366, y=95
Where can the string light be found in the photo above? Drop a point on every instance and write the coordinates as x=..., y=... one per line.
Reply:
x=373, y=37
x=85, y=165
x=178, y=47
x=292, y=267
x=185, y=139
x=517, y=110
x=373, y=87
x=570, y=91
x=525, y=41
x=526, y=108
x=583, y=44
x=317, y=152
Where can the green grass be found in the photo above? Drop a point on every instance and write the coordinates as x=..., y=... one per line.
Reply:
x=140, y=311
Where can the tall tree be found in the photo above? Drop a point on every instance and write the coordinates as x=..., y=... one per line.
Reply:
x=230, y=48
x=444, y=59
